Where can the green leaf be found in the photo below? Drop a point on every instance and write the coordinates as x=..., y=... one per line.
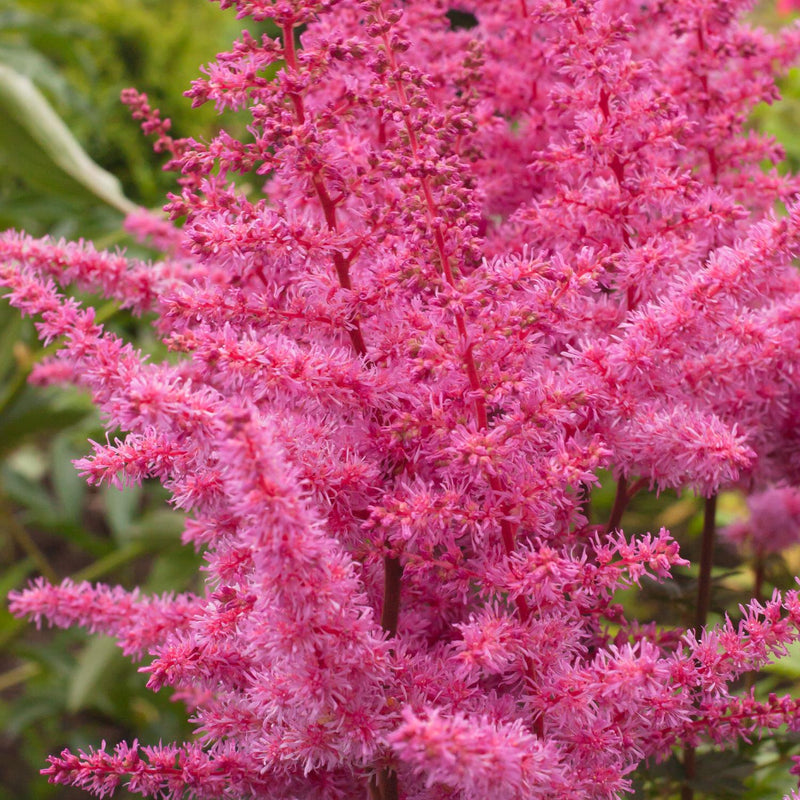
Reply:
x=22, y=490
x=41, y=148
x=15, y=575
x=789, y=665
x=69, y=487
x=94, y=669
x=122, y=506
x=175, y=570
x=34, y=413
x=160, y=527
x=721, y=775
x=112, y=561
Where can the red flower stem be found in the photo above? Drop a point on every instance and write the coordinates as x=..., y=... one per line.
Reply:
x=706, y=561
x=620, y=503
x=623, y=496
x=432, y=212
x=392, y=574
x=328, y=204
x=391, y=564
x=383, y=786
x=759, y=569
x=507, y=532
x=689, y=768
x=701, y=616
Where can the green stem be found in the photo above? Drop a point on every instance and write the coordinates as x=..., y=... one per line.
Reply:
x=26, y=543
x=110, y=562
x=13, y=677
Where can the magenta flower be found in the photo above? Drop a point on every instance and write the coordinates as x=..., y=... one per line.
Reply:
x=447, y=277
x=774, y=522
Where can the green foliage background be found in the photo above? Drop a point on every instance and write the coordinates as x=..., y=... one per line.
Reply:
x=61, y=688
x=81, y=55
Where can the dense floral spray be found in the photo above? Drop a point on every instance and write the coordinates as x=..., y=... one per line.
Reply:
x=450, y=274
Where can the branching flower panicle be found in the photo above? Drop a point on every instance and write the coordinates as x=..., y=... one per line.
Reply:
x=447, y=278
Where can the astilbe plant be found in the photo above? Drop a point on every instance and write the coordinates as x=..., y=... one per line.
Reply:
x=451, y=275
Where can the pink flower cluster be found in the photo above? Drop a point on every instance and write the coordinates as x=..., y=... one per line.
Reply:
x=450, y=274
x=774, y=522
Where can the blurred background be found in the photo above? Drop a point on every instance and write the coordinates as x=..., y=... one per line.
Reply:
x=63, y=64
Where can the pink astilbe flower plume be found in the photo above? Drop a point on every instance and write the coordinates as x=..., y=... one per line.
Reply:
x=774, y=522
x=138, y=623
x=446, y=279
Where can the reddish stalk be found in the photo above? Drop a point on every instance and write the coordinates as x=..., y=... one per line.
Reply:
x=701, y=616
x=392, y=575
x=706, y=560
x=507, y=532
x=759, y=570
x=620, y=503
x=382, y=786
x=327, y=203
x=432, y=211
x=707, y=550
x=621, y=499
x=392, y=568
